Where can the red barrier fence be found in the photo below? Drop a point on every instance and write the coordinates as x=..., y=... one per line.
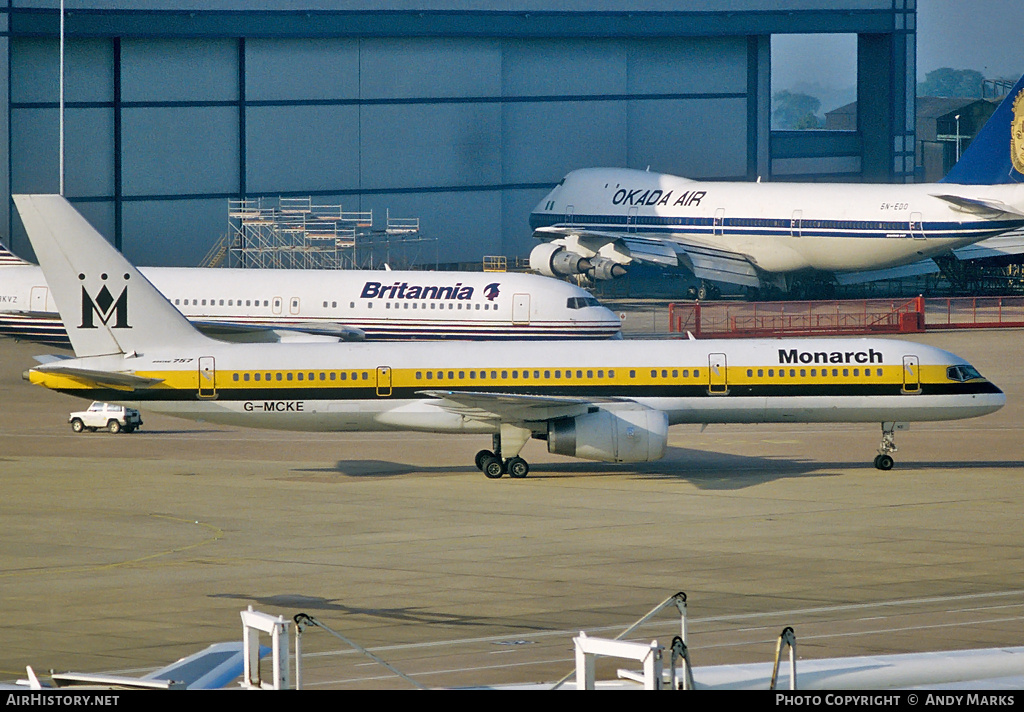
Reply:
x=973, y=312
x=851, y=316
x=861, y=316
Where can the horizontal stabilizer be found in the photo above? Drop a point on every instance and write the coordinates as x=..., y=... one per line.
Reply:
x=50, y=358
x=979, y=206
x=102, y=379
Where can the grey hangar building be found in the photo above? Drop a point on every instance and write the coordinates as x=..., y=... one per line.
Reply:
x=461, y=113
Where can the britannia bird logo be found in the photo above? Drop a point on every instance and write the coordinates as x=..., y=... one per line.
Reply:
x=491, y=291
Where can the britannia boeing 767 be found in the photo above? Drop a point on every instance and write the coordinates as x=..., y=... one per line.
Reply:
x=611, y=403
x=331, y=305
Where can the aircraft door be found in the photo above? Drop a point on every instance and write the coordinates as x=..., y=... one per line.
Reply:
x=383, y=381
x=570, y=211
x=718, y=382
x=293, y=306
x=911, y=374
x=720, y=222
x=796, y=224
x=277, y=302
x=37, y=300
x=631, y=218
x=916, y=226
x=520, y=308
x=207, y=377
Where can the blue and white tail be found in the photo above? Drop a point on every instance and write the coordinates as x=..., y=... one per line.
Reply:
x=106, y=305
x=9, y=258
x=996, y=155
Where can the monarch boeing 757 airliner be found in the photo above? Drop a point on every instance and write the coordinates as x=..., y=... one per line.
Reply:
x=611, y=403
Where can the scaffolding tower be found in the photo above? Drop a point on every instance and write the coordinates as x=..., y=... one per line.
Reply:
x=296, y=233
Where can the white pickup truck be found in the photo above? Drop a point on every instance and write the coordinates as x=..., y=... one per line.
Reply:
x=115, y=418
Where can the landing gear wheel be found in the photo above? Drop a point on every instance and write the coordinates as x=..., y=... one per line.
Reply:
x=114, y=426
x=517, y=467
x=481, y=456
x=702, y=292
x=77, y=425
x=493, y=467
x=884, y=462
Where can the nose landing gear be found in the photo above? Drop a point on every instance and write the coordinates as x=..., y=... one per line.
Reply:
x=883, y=460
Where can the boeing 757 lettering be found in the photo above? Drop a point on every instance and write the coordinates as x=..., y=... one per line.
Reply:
x=332, y=305
x=778, y=236
x=614, y=403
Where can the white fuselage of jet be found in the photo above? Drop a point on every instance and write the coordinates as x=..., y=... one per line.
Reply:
x=384, y=305
x=780, y=228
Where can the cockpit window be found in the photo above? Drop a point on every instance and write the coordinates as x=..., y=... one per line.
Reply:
x=962, y=373
x=581, y=302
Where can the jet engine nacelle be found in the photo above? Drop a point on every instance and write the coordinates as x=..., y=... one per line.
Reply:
x=554, y=260
x=611, y=436
x=602, y=268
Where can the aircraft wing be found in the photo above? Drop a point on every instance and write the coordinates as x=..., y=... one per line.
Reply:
x=979, y=206
x=106, y=379
x=1000, y=246
x=211, y=669
x=1011, y=243
x=676, y=250
x=258, y=333
x=510, y=408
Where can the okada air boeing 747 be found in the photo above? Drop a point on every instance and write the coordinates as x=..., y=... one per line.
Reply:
x=612, y=401
x=789, y=237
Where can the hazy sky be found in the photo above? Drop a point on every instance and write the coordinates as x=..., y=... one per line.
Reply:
x=986, y=35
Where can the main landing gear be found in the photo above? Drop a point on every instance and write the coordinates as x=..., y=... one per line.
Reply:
x=883, y=460
x=493, y=465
